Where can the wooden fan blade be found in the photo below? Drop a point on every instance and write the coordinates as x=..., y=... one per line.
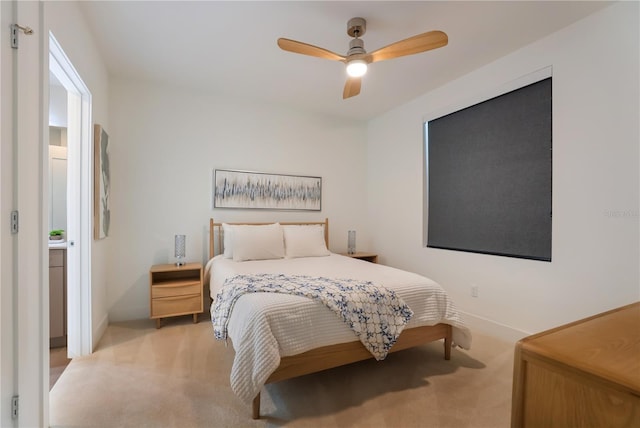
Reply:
x=306, y=49
x=352, y=87
x=413, y=45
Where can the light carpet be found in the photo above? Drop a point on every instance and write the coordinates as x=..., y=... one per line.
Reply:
x=178, y=376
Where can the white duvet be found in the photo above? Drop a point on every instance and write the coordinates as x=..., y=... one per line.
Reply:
x=264, y=327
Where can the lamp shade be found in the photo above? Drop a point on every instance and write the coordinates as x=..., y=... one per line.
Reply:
x=351, y=242
x=180, y=252
x=357, y=68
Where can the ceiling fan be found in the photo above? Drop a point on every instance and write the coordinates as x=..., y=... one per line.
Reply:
x=357, y=58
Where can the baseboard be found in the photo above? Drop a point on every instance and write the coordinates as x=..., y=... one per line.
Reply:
x=493, y=328
x=99, y=331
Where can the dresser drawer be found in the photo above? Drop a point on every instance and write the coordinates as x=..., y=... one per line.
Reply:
x=175, y=288
x=582, y=374
x=180, y=305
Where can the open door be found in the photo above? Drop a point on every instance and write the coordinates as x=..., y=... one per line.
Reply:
x=79, y=197
x=7, y=312
x=24, y=298
x=25, y=353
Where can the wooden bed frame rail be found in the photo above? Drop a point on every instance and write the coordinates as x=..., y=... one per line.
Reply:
x=328, y=357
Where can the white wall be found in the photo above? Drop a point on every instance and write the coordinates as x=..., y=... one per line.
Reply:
x=595, y=183
x=165, y=143
x=66, y=22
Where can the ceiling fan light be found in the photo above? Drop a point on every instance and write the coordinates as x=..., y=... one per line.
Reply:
x=357, y=68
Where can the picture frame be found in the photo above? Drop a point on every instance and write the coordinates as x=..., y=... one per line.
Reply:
x=101, y=182
x=259, y=190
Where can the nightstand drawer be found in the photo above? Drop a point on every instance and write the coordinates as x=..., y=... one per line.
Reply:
x=179, y=305
x=175, y=288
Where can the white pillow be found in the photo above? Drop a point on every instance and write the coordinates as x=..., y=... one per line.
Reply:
x=304, y=241
x=258, y=242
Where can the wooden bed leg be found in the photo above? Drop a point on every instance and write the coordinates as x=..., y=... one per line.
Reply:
x=255, y=411
x=447, y=344
x=447, y=348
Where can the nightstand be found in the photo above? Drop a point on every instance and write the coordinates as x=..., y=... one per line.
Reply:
x=369, y=257
x=175, y=290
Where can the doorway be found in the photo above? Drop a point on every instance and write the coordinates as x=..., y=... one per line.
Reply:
x=78, y=204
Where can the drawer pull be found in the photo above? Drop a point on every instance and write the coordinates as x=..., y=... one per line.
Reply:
x=185, y=289
x=177, y=297
x=175, y=284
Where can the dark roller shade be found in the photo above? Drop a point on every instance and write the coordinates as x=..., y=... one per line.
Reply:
x=489, y=176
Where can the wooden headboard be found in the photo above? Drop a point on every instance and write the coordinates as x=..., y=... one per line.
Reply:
x=213, y=226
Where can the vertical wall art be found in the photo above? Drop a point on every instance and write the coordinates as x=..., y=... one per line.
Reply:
x=102, y=183
x=242, y=189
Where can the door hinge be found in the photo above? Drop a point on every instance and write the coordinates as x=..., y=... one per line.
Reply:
x=14, y=407
x=14, y=34
x=14, y=222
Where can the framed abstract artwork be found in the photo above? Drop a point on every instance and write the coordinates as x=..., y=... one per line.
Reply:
x=101, y=182
x=257, y=190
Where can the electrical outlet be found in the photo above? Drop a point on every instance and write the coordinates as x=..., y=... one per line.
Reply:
x=474, y=291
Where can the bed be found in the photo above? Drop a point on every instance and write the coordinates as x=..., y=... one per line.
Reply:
x=280, y=336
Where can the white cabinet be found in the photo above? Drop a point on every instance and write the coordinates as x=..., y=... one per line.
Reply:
x=57, y=297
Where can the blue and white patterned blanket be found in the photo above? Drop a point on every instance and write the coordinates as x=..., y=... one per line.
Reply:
x=375, y=314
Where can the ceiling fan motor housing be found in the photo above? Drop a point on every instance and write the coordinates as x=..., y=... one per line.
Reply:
x=356, y=46
x=356, y=27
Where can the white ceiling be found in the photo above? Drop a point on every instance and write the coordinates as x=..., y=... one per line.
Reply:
x=230, y=48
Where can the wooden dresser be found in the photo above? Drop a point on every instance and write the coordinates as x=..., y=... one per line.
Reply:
x=583, y=374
